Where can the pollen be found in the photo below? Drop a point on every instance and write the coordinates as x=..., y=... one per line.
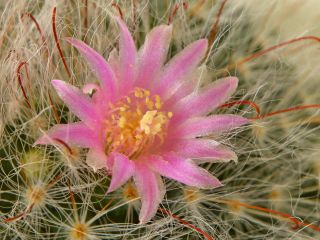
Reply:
x=135, y=122
x=152, y=122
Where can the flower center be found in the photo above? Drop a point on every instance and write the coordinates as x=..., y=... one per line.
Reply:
x=134, y=123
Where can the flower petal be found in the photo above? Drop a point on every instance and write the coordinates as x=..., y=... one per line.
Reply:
x=80, y=104
x=213, y=97
x=95, y=92
x=153, y=53
x=99, y=66
x=122, y=170
x=185, y=89
x=76, y=134
x=97, y=159
x=203, y=150
x=206, y=125
x=127, y=57
x=89, y=88
x=151, y=190
x=181, y=66
x=113, y=61
x=184, y=171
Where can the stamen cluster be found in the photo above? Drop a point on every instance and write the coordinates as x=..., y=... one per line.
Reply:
x=135, y=122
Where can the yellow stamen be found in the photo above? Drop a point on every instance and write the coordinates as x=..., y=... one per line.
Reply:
x=135, y=123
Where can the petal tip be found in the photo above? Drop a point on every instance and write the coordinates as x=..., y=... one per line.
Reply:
x=120, y=22
x=166, y=30
x=168, y=27
x=81, y=46
x=39, y=141
x=233, y=81
x=220, y=185
x=216, y=183
x=110, y=190
x=245, y=120
x=44, y=140
x=203, y=43
x=57, y=84
x=72, y=40
x=144, y=219
x=55, y=81
x=229, y=156
x=68, y=39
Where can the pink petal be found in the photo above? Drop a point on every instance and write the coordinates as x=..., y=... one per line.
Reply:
x=213, y=97
x=153, y=53
x=76, y=134
x=181, y=66
x=122, y=170
x=202, y=149
x=113, y=61
x=89, y=88
x=97, y=159
x=80, y=104
x=202, y=126
x=186, y=88
x=151, y=191
x=99, y=65
x=127, y=57
x=184, y=171
x=96, y=94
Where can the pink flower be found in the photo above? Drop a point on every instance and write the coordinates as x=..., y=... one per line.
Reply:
x=145, y=119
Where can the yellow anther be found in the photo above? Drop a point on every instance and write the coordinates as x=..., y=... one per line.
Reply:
x=152, y=122
x=128, y=99
x=146, y=121
x=157, y=124
x=158, y=105
x=138, y=93
x=122, y=122
x=146, y=93
x=149, y=103
x=158, y=102
x=170, y=114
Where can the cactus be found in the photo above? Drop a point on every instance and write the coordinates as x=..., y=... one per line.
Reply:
x=270, y=192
